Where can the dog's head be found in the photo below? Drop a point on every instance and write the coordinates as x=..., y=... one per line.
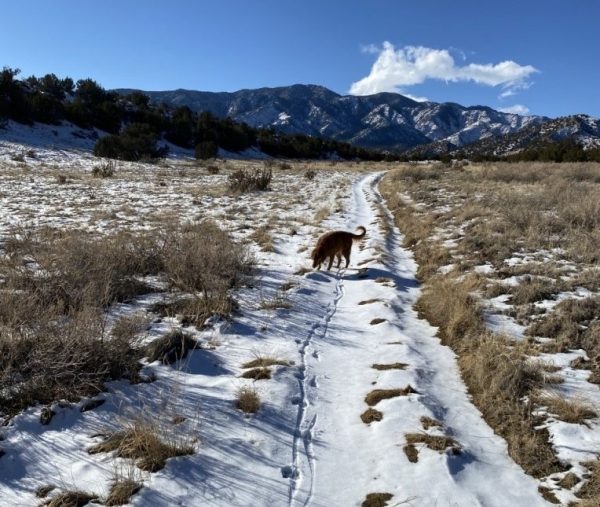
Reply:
x=316, y=257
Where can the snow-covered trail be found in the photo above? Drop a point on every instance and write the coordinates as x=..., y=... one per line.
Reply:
x=307, y=445
x=337, y=458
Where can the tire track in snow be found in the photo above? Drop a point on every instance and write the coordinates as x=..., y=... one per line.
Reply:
x=304, y=425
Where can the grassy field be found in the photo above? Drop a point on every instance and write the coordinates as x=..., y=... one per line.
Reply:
x=509, y=257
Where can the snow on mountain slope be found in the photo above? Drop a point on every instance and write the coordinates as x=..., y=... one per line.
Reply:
x=384, y=120
x=581, y=128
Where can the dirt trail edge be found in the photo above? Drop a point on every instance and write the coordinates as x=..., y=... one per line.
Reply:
x=426, y=444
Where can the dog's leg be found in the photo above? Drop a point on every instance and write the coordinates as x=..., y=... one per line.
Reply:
x=330, y=261
x=339, y=259
x=347, y=256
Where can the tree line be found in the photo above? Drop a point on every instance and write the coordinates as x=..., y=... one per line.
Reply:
x=136, y=127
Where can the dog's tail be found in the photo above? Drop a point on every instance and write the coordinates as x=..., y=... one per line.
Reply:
x=362, y=234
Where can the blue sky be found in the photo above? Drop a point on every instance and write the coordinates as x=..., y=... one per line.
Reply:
x=441, y=50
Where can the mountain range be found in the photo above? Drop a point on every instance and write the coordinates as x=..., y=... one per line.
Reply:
x=387, y=121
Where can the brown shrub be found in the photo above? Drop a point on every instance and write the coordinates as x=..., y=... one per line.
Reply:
x=370, y=415
x=61, y=360
x=248, y=400
x=247, y=180
x=377, y=500
x=145, y=444
x=172, y=347
x=390, y=366
x=257, y=374
x=56, y=286
x=202, y=257
x=590, y=490
x=70, y=271
x=262, y=236
x=437, y=443
x=377, y=395
x=127, y=327
x=428, y=422
x=263, y=362
x=411, y=453
x=121, y=491
x=70, y=499
x=451, y=306
x=531, y=290
x=576, y=411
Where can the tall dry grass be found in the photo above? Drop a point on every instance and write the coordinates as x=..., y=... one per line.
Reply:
x=55, y=287
x=499, y=374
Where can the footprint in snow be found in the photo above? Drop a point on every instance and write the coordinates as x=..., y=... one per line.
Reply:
x=289, y=472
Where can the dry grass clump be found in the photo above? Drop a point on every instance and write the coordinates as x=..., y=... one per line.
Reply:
x=127, y=327
x=248, y=180
x=172, y=347
x=412, y=453
x=44, y=360
x=369, y=301
x=145, y=444
x=416, y=173
x=69, y=271
x=310, y=174
x=121, y=491
x=573, y=324
x=500, y=375
x=495, y=289
x=565, y=320
x=377, y=395
x=194, y=309
x=531, y=290
x=590, y=491
x=263, y=238
x=576, y=411
x=56, y=286
x=279, y=301
x=569, y=481
x=548, y=495
x=390, y=366
x=45, y=490
x=70, y=499
x=203, y=259
x=377, y=500
x=437, y=443
x=105, y=170
x=370, y=415
x=248, y=400
x=451, y=306
x=264, y=362
x=428, y=422
x=257, y=374
x=376, y=321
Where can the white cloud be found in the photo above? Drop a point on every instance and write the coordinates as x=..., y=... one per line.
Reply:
x=513, y=89
x=412, y=65
x=516, y=109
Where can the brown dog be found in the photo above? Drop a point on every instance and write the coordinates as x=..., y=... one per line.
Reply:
x=335, y=244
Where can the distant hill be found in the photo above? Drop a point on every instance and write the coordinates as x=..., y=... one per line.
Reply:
x=581, y=129
x=383, y=121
